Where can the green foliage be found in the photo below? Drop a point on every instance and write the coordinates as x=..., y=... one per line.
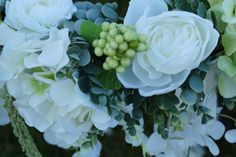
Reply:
x=198, y=7
x=90, y=31
x=196, y=84
x=109, y=80
x=21, y=131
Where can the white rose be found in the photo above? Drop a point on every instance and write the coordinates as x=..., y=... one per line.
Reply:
x=38, y=15
x=179, y=41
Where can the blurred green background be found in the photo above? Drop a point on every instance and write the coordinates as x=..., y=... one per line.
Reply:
x=113, y=146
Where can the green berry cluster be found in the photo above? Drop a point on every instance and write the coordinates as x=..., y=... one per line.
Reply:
x=120, y=44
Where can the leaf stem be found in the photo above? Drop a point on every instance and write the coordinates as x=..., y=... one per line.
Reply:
x=21, y=131
x=228, y=117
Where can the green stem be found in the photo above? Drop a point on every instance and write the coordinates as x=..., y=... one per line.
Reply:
x=21, y=131
x=227, y=116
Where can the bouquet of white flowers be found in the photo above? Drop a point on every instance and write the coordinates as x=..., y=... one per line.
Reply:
x=74, y=70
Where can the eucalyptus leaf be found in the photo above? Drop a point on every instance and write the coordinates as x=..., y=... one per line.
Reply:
x=196, y=83
x=188, y=97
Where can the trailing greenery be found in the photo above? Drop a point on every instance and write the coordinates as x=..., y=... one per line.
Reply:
x=21, y=131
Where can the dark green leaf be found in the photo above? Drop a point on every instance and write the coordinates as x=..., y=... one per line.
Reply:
x=84, y=84
x=90, y=31
x=109, y=80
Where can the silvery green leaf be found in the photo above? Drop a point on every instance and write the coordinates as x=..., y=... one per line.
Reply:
x=102, y=100
x=99, y=21
x=80, y=5
x=93, y=14
x=113, y=5
x=77, y=25
x=196, y=83
x=84, y=57
x=201, y=10
x=89, y=5
x=98, y=5
x=70, y=26
x=110, y=13
x=81, y=14
x=188, y=97
x=97, y=90
x=2, y=2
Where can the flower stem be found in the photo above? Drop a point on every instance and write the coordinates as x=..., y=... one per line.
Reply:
x=21, y=131
x=228, y=117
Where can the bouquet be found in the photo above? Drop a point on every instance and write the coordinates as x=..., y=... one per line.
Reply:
x=75, y=70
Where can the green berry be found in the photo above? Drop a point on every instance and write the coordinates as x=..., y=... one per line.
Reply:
x=113, y=32
x=101, y=43
x=107, y=46
x=123, y=29
x=95, y=43
x=130, y=53
x=114, y=45
x=133, y=44
x=111, y=52
x=108, y=59
x=113, y=25
x=124, y=46
x=125, y=62
x=113, y=63
x=130, y=35
x=98, y=51
x=105, y=51
x=120, y=69
x=141, y=47
x=119, y=39
x=106, y=66
x=105, y=26
x=103, y=35
x=142, y=38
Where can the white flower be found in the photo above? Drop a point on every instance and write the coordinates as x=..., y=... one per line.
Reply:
x=179, y=41
x=38, y=15
x=58, y=108
x=194, y=133
x=20, y=53
x=89, y=152
x=230, y=136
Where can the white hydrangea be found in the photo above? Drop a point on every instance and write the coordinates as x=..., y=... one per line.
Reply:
x=58, y=108
x=20, y=53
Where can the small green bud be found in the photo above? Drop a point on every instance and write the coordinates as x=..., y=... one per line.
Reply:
x=142, y=38
x=106, y=66
x=105, y=51
x=108, y=59
x=125, y=62
x=102, y=43
x=123, y=28
x=123, y=46
x=130, y=53
x=113, y=32
x=107, y=46
x=105, y=26
x=133, y=44
x=95, y=43
x=113, y=63
x=103, y=35
x=141, y=47
x=109, y=38
x=114, y=45
x=98, y=51
x=113, y=25
x=130, y=35
x=120, y=69
x=111, y=52
x=119, y=39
